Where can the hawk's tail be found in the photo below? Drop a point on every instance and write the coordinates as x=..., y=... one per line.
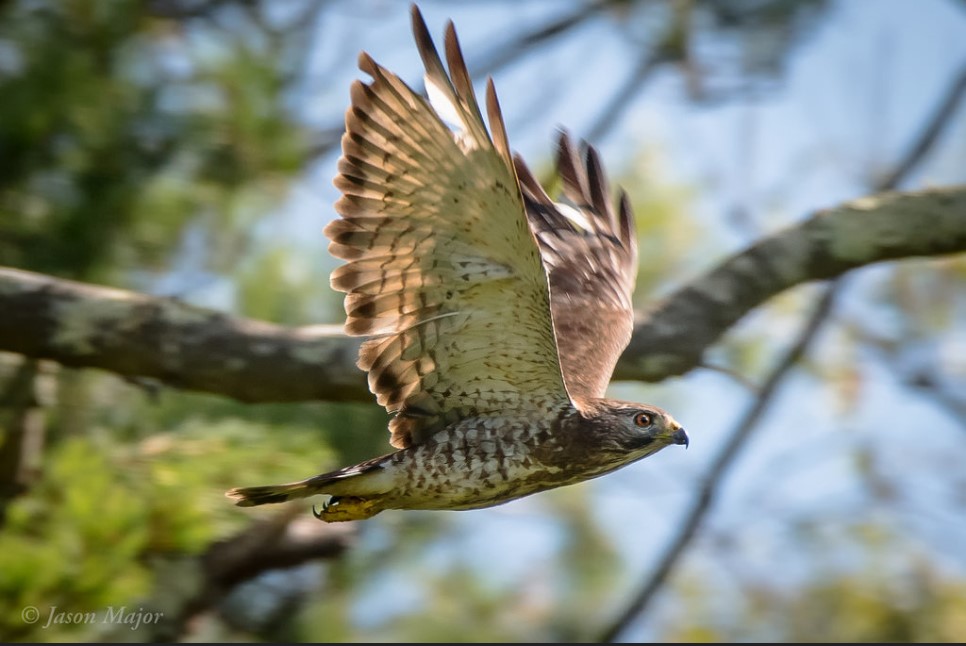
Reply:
x=252, y=496
x=337, y=483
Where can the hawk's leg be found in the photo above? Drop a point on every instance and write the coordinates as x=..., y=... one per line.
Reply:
x=341, y=508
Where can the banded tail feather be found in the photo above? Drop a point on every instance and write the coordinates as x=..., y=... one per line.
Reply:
x=347, y=481
x=253, y=496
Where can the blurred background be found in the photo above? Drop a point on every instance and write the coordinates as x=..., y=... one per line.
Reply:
x=185, y=148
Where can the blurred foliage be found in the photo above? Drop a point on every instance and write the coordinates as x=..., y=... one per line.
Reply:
x=119, y=128
x=868, y=602
x=158, y=497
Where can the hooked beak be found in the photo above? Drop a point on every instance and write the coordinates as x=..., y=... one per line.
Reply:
x=680, y=437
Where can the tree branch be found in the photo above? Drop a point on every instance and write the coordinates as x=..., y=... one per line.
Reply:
x=192, y=348
x=508, y=52
x=188, y=347
x=287, y=539
x=926, y=140
x=671, y=337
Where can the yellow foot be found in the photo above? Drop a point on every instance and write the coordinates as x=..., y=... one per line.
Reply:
x=341, y=508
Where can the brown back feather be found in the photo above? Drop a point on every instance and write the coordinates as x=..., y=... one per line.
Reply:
x=592, y=267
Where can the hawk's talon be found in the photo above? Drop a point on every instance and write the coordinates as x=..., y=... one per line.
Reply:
x=325, y=507
x=342, y=508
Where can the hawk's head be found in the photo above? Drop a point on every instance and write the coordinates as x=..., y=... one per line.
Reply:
x=634, y=430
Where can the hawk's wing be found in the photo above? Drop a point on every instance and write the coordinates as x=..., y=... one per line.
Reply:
x=443, y=271
x=590, y=249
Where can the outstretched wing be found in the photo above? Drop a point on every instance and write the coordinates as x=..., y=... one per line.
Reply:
x=590, y=250
x=442, y=269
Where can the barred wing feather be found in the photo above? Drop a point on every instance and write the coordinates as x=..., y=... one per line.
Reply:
x=442, y=272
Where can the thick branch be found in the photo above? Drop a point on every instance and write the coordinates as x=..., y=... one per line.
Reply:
x=192, y=348
x=184, y=346
x=670, y=338
x=287, y=539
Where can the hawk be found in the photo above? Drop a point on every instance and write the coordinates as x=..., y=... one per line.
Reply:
x=494, y=315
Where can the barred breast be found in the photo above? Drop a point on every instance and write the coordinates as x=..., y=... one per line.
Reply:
x=483, y=461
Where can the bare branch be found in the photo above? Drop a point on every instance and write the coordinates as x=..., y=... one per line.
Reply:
x=23, y=421
x=621, y=100
x=499, y=57
x=671, y=338
x=181, y=345
x=178, y=10
x=930, y=133
x=508, y=52
x=284, y=540
x=672, y=46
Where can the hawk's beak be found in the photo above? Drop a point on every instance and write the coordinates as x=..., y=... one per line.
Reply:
x=680, y=437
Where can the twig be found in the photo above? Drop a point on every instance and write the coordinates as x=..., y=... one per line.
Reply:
x=287, y=539
x=672, y=46
x=929, y=135
x=507, y=53
x=501, y=56
x=621, y=99
x=736, y=376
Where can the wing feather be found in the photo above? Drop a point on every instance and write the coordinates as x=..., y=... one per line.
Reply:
x=443, y=272
x=591, y=255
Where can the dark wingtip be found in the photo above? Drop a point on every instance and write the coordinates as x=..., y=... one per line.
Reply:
x=424, y=41
x=626, y=220
x=450, y=37
x=568, y=167
x=597, y=180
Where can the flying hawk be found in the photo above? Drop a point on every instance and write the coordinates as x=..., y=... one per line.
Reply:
x=494, y=315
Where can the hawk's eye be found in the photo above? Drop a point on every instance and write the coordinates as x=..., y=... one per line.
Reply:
x=643, y=419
